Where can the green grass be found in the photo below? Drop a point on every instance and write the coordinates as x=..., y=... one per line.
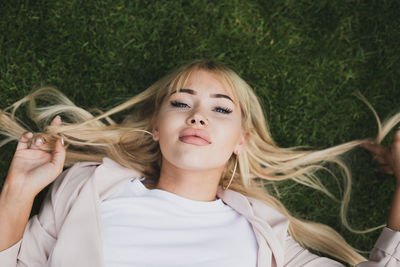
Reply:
x=303, y=58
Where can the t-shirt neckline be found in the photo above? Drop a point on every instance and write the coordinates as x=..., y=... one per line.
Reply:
x=179, y=200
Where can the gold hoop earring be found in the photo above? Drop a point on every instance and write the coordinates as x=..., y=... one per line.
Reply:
x=233, y=174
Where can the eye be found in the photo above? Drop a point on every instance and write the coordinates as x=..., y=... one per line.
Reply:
x=223, y=110
x=178, y=104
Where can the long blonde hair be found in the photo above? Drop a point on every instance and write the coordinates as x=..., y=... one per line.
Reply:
x=91, y=137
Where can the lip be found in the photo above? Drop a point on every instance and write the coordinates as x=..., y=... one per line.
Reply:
x=196, y=133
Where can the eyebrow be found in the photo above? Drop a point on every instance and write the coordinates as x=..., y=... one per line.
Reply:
x=193, y=92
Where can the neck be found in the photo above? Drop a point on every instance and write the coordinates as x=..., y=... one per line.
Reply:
x=195, y=185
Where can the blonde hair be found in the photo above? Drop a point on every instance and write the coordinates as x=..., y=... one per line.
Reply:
x=91, y=137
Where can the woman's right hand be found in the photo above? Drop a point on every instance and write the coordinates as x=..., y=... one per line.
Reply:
x=32, y=169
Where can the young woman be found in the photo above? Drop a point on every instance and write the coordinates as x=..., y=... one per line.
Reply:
x=178, y=183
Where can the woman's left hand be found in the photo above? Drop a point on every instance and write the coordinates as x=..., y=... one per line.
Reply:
x=389, y=157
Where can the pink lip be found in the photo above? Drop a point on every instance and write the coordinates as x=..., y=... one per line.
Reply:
x=195, y=136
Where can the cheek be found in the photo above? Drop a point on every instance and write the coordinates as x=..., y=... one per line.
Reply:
x=168, y=125
x=228, y=134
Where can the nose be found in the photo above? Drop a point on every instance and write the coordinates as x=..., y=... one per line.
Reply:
x=198, y=120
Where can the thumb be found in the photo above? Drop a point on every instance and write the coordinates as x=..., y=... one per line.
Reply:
x=396, y=153
x=59, y=154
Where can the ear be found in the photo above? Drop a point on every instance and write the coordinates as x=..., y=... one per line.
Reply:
x=242, y=143
x=155, y=132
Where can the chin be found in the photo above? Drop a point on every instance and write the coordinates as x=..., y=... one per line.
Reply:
x=194, y=162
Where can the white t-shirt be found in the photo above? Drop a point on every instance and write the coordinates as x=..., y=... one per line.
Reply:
x=156, y=228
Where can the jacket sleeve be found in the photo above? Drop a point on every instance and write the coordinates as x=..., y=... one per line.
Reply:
x=39, y=235
x=386, y=253
x=296, y=255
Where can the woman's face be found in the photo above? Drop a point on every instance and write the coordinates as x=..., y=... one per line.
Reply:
x=205, y=107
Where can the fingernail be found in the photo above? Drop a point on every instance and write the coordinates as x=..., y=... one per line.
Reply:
x=62, y=140
x=39, y=141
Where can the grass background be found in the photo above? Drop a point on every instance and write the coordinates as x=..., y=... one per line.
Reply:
x=303, y=58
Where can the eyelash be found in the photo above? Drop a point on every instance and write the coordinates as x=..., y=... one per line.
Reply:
x=178, y=105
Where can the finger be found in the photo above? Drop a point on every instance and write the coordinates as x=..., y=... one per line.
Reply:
x=386, y=169
x=379, y=159
x=375, y=148
x=59, y=154
x=37, y=142
x=24, y=141
x=396, y=153
x=56, y=121
x=396, y=137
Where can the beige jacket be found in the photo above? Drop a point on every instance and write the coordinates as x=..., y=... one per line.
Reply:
x=68, y=229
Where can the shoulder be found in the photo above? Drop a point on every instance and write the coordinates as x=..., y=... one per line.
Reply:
x=272, y=220
x=62, y=195
x=253, y=208
x=268, y=214
x=69, y=182
x=76, y=174
x=268, y=223
x=99, y=176
x=289, y=251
